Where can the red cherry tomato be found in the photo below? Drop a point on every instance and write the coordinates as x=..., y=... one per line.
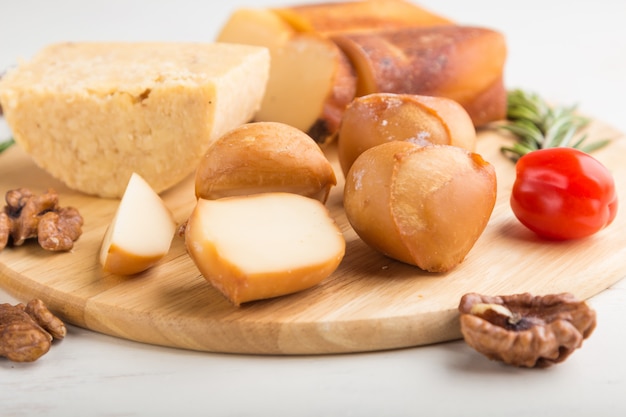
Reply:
x=563, y=193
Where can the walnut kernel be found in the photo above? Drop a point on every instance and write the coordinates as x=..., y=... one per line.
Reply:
x=27, y=216
x=525, y=330
x=27, y=331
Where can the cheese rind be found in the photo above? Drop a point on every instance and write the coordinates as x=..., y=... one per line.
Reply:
x=264, y=157
x=92, y=113
x=462, y=63
x=358, y=16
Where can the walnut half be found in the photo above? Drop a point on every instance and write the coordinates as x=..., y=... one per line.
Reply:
x=27, y=216
x=27, y=331
x=525, y=330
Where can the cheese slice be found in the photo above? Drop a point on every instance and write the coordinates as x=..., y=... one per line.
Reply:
x=91, y=114
x=263, y=245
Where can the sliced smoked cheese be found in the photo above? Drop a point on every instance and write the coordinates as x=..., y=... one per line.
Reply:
x=311, y=81
x=263, y=245
x=91, y=114
x=141, y=231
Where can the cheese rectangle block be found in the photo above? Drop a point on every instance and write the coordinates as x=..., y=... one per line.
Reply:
x=93, y=113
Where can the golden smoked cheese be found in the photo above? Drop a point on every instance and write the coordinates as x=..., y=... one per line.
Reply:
x=93, y=113
x=259, y=246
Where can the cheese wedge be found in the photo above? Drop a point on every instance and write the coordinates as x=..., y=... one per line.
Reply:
x=311, y=81
x=263, y=245
x=140, y=233
x=91, y=114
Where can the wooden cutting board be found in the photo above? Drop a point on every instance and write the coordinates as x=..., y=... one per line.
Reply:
x=369, y=303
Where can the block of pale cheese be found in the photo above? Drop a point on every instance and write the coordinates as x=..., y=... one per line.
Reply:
x=93, y=113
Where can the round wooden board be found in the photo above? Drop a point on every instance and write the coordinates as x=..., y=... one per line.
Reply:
x=369, y=303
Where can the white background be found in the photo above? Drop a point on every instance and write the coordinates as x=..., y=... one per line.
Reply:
x=569, y=51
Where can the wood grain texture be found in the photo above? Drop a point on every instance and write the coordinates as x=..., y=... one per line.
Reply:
x=369, y=303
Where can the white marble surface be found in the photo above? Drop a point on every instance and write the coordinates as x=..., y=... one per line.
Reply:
x=569, y=51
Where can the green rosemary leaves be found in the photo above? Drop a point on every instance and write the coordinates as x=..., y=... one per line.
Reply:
x=538, y=125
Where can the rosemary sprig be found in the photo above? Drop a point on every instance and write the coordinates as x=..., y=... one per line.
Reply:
x=6, y=144
x=537, y=125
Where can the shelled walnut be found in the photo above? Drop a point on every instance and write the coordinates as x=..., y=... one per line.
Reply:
x=525, y=330
x=28, y=215
x=27, y=331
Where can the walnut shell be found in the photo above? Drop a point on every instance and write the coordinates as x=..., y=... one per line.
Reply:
x=525, y=330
